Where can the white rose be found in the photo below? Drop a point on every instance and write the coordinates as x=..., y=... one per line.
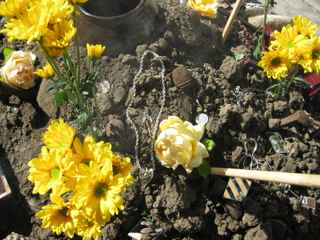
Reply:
x=179, y=144
x=18, y=70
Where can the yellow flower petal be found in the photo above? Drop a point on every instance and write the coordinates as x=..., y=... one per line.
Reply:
x=95, y=51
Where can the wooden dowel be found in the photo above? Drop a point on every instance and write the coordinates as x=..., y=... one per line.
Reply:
x=308, y=180
x=232, y=17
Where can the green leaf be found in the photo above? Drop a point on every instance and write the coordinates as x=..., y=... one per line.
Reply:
x=204, y=169
x=239, y=56
x=7, y=52
x=258, y=49
x=209, y=144
x=60, y=98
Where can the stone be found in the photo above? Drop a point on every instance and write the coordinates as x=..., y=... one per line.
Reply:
x=182, y=78
x=234, y=209
x=229, y=67
x=45, y=99
x=119, y=95
x=257, y=233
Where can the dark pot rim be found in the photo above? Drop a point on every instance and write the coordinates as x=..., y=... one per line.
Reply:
x=98, y=17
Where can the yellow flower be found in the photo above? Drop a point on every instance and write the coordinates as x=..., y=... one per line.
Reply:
x=305, y=26
x=57, y=217
x=206, y=8
x=95, y=50
x=179, y=144
x=11, y=8
x=58, y=37
x=45, y=72
x=78, y=1
x=33, y=23
x=121, y=169
x=18, y=70
x=289, y=42
x=275, y=64
x=47, y=170
x=310, y=60
x=87, y=228
x=59, y=135
x=97, y=192
x=92, y=152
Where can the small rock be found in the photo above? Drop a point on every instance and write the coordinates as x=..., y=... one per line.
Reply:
x=237, y=237
x=296, y=101
x=119, y=95
x=182, y=78
x=257, y=233
x=234, y=209
x=229, y=68
x=280, y=109
x=250, y=220
x=45, y=99
x=15, y=236
x=115, y=126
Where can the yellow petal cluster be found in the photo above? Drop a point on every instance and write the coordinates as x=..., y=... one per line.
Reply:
x=95, y=51
x=45, y=72
x=85, y=180
x=78, y=1
x=45, y=21
x=207, y=8
x=296, y=44
x=179, y=144
x=18, y=70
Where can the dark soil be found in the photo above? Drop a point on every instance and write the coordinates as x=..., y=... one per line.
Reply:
x=232, y=92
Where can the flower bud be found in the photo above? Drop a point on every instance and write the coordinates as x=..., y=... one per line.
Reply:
x=18, y=70
x=179, y=144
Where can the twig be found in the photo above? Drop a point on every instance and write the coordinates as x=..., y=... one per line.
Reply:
x=299, y=179
x=229, y=24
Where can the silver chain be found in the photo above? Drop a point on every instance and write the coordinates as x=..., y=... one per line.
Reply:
x=133, y=90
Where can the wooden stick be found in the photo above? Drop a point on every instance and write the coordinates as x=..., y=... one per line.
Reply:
x=232, y=17
x=6, y=189
x=308, y=180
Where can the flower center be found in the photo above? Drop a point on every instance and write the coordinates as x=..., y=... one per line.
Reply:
x=115, y=169
x=100, y=190
x=276, y=62
x=316, y=54
x=55, y=173
x=63, y=211
x=86, y=161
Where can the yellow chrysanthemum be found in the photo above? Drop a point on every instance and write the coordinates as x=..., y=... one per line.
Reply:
x=58, y=37
x=97, y=192
x=59, y=135
x=95, y=51
x=206, y=8
x=78, y=1
x=305, y=26
x=121, y=169
x=91, y=151
x=45, y=72
x=310, y=60
x=87, y=228
x=47, y=170
x=57, y=217
x=289, y=42
x=275, y=64
x=11, y=8
x=33, y=23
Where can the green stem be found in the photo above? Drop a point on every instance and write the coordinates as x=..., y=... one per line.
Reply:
x=266, y=9
x=77, y=42
x=52, y=62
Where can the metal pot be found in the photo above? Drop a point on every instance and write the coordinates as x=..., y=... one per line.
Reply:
x=119, y=24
